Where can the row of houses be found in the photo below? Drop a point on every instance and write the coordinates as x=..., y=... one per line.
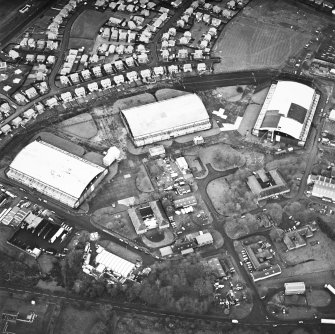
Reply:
x=31, y=93
x=53, y=28
x=118, y=35
x=96, y=72
x=108, y=49
x=27, y=115
x=14, y=53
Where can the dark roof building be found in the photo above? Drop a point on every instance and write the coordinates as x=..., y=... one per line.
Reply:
x=267, y=184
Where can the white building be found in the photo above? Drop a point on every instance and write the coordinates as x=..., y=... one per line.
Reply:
x=146, y=74
x=66, y=97
x=118, y=79
x=159, y=70
x=166, y=119
x=30, y=113
x=106, y=83
x=113, y=154
x=56, y=173
x=295, y=288
x=132, y=76
x=92, y=87
x=287, y=112
x=80, y=92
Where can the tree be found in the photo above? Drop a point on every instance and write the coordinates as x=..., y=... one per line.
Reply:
x=99, y=328
x=276, y=212
x=277, y=234
x=203, y=287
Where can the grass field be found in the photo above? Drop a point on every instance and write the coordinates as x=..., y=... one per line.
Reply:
x=221, y=157
x=86, y=28
x=81, y=126
x=309, y=258
x=168, y=93
x=73, y=320
x=124, y=185
x=118, y=222
x=132, y=101
x=253, y=42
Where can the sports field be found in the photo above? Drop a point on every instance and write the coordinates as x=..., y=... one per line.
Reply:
x=248, y=43
x=265, y=34
x=86, y=27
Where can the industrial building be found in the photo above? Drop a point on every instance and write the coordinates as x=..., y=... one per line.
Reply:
x=287, y=113
x=266, y=184
x=166, y=119
x=295, y=288
x=323, y=187
x=148, y=216
x=56, y=173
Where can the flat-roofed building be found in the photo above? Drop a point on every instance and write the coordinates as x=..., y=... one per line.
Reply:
x=266, y=184
x=109, y=261
x=216, y=266
x=166, y=119
x=323, y=187
x=295, y=288
x=185, y=202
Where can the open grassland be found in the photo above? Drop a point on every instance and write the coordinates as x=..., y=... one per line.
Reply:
x=86, y=27
x=81, y=126
x=265, y=34
x=249, y=43
x=309, y=258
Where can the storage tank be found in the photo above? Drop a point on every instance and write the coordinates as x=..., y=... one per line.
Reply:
x=113, y=154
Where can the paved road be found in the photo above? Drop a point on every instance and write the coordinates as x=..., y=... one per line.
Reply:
x=228, y=79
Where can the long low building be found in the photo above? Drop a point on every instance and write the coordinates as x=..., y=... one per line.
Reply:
x=287, y=112
x=56, y=173
x=110, y=261
x=166, y=119
x=323, y=187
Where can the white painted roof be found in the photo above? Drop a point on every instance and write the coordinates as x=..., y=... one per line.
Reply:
x=115, y=263
x=288, y=92
x=55, y=167
x=165, y=115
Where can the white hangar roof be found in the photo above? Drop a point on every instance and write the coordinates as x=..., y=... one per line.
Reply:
x=114, y=263
x=165, y=115
x=56, y=168
x=286, y=108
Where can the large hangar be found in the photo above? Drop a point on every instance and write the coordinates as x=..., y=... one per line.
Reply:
x=166, y=119
x=56, y=173
x=287, y=112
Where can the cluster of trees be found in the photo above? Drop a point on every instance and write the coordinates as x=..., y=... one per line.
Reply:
x=276, y=212
x=299, y=211
x=16, y=272
x=222, y=159
x=186, y=286
x=238, y=198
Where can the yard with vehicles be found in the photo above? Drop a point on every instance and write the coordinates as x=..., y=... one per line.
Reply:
x=305, y=306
